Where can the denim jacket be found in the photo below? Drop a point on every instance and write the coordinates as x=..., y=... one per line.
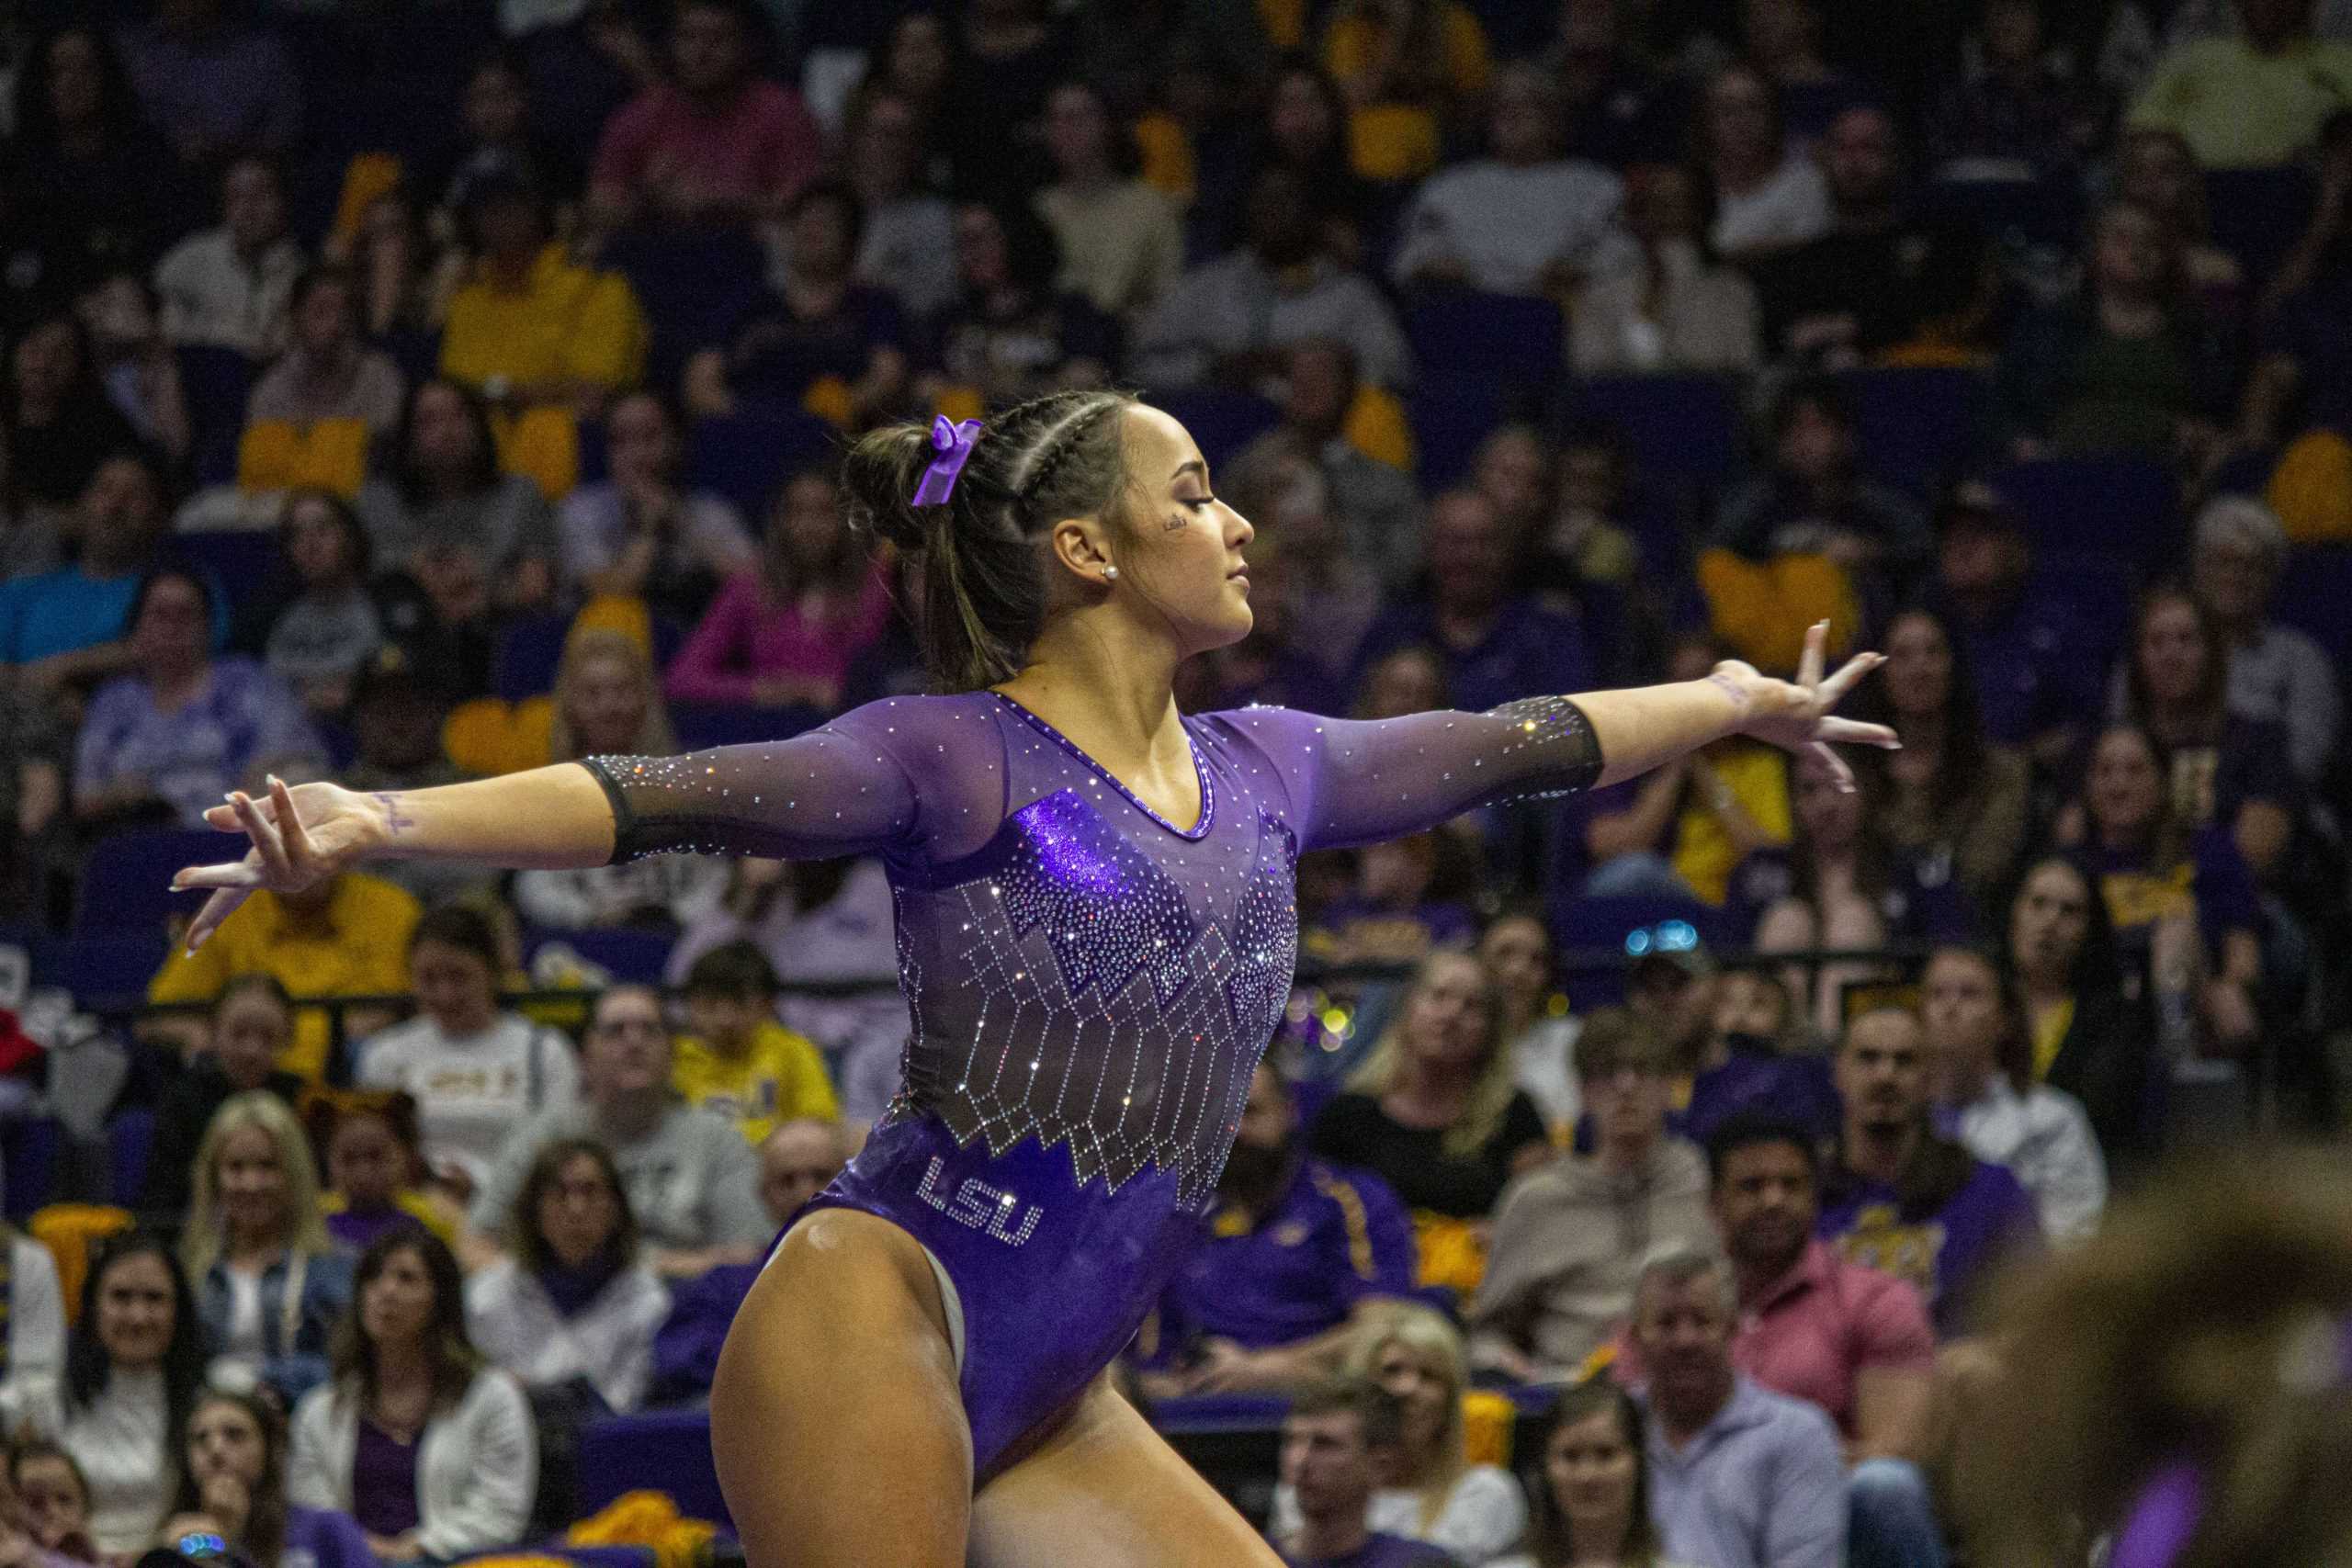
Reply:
x=293, y=1331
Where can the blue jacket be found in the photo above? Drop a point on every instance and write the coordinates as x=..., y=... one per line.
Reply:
x=293, y=1335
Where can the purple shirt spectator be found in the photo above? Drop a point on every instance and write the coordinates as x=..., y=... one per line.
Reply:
x=190, y=756
x=2032, y=668
x=1760, y=1487
x=1332, y=1238
x=383, y=1482
x=1796, y=1087
x=1922, y=903
x=320, y=1537
x=212, y=87
x=2214, y=877
x=1945, y=1255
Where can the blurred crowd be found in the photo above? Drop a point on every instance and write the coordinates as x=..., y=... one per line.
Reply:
x=411, y=393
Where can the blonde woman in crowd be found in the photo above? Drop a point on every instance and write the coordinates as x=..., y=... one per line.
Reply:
x=1435, y=1493
x=269, y=1283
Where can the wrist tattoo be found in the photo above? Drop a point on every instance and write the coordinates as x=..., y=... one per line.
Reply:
x=397, y=819
x=1740, y=700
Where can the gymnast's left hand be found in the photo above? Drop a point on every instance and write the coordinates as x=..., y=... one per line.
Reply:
x=299, y=837
x=1798, y=716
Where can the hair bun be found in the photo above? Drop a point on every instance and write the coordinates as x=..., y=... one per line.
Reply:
x=879, y=477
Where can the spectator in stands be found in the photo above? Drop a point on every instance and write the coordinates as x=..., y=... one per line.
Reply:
x=1378, y=507
x=1683, y=829
x=821, y=920
x=252, y=1024
x=716, y=144
x=819, y=339
x=908, y=249
x=1494, y=638
x=1009, y=332
x=1817, y=1326
x=2222, y=770
x=782, y=631
x=2015, y=113
x=1816, y=501
x=799, y=1160
x=269, y=1285
x=571, y=1302
x=430, y=1451
x=1741, y=1475
x=1337, y=1438
x=1273, y=663
x=134, y=1363
x=1006, y=57
x=2255, y=100
x=474, y=1071
x=1303, y=129
x=1413, y=74
x=1432, y=1111
x=2058, y=949
x=529, y=326
x=35, y=1332
x=1767, y=197
x=1614, y=103
x=60, y=426
x=1408, y=899
x=2182, y=900
x=34, y=738
x=402, y=292
x=1538, y=1030
x=2020, y=645
x=1674, y=986
x=347, y=937
x=1758, y=1055
x=1980, y=1058
x=1950, y=790
x=740, y=1063
x=328, y=372
x=2130, y=366
x=87, y=163
x=1854, y=290
x=1590, y=1500
x=374, y=1166
x=914, y=61
x=1840, y=886
x=229, y=287
x=319, y=643
x=1523, y=220
x=474, y=537
x=1433, y=1493
x=54, y=1497
x=1330, y=593
x=1121, y=246
x=1672, y=305
x=233, y=1485
x=2276, y=674
x=693, y=1182
x=1226, y=320
x=1295, y=1254
x=640, y=533
x=1901, y=1197
x=2155, y=168
x=178, y=730
x=214, y=84
x=138, y=368
x=497, y=122
x=1570, y=1236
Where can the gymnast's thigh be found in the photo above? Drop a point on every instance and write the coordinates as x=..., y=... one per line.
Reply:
x=836, y=1417
x=1105, y=1489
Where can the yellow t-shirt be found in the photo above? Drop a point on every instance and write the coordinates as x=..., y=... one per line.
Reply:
x=566, y=321
x=2049, y=1035
x=357, y=948
x=1704, y=855
x=2241, y=108
x=780, y=1078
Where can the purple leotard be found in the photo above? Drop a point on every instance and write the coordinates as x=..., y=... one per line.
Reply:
x=1091, y=986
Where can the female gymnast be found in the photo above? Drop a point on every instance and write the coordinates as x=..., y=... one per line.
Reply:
x=1096, y=930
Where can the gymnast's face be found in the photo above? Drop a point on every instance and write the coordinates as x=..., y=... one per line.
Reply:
x=1180, y=559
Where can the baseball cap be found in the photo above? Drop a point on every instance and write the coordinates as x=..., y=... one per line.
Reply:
x=1672, y=944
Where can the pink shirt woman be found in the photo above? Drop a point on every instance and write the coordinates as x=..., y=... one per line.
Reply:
x=786, y=631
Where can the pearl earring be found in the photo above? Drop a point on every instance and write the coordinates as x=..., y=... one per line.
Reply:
x=1110, y=574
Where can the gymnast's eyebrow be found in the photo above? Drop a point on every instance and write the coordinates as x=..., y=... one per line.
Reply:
x=1195, y=466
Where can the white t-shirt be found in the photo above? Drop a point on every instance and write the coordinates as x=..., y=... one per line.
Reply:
x=472, y=1092
x=243, y=1341
x=1791, y=206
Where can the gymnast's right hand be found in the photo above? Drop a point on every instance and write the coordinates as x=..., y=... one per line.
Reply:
x=299, y=838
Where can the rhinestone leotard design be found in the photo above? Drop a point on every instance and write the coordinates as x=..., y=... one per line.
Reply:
x=1091, y=983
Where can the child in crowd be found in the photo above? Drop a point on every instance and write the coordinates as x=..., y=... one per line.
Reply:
x=740, y=1061
x=368, y=1143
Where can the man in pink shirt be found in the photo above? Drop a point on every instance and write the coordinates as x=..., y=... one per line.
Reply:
x=1840, y=1335
x=713, y=146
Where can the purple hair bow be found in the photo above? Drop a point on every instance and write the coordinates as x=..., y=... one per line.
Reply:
x=953, y=444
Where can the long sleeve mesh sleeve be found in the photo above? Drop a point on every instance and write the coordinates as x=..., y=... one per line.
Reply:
x=1361, y=781
x=890, y=778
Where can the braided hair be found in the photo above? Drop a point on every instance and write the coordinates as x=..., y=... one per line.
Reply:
x=985, y=585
